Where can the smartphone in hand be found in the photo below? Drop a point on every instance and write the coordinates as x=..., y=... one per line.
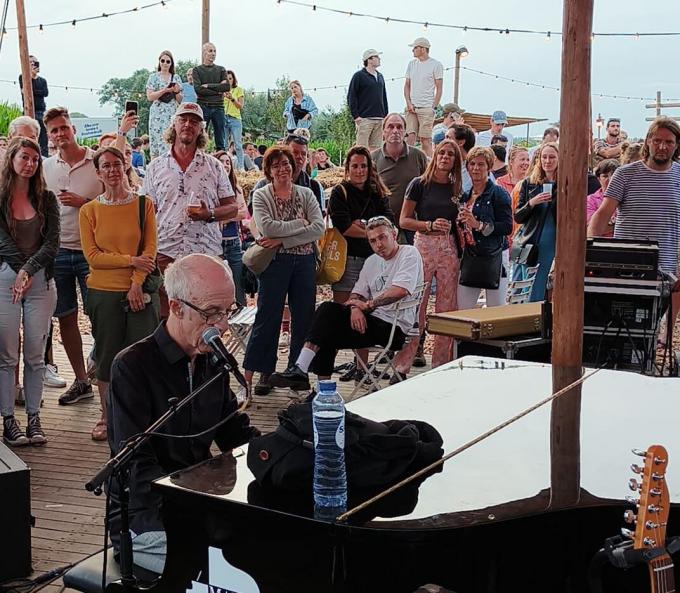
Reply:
x=131, y=106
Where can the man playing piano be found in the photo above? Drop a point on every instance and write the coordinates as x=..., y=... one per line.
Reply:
x=172, y=362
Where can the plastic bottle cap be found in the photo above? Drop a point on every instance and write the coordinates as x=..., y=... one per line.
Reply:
x=327, y=386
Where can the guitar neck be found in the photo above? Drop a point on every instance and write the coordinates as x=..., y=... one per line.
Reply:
x=661, y=575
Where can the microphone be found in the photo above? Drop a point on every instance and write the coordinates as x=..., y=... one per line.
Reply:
x=211, y=338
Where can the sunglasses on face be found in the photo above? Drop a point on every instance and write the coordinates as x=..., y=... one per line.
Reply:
x=166, y=61
x=297, y=139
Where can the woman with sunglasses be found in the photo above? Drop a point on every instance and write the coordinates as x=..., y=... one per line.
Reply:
x=232, y=251
x=299, y=108
x=29, y=241
x=164, y=89
x=430, y=209
x=120, y=258
x=289, y=219
x=360, y=196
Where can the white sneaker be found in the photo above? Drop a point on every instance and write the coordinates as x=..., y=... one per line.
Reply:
x=284, y=339
x=52, y=378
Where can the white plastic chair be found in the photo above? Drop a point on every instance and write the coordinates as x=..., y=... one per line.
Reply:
x=384, y=354
x=240, y=326
x=519, y=291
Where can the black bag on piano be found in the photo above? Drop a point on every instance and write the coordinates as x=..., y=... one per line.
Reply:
x=377, y=454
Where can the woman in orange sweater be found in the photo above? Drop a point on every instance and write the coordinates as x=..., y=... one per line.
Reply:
x=120, y=259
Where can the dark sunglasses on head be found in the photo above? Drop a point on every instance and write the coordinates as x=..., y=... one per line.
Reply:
x=297, y=139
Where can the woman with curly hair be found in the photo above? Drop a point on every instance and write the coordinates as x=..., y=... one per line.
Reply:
x=29, y=241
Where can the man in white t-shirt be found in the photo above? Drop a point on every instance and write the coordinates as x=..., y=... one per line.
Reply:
x=393, y=272
x=422, y=91
x=499, y=120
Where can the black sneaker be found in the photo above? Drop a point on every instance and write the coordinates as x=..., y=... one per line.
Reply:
x=12, y=433
x=34, y=431
x=293, y=377
x=419, y=359
x=350, y=373
x=397, y=377
x=78, y=390
x=262, y=387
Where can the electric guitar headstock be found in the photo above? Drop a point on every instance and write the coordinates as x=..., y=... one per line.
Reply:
x=653, y=508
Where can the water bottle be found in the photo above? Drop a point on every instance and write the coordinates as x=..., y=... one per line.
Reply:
x=330, y=479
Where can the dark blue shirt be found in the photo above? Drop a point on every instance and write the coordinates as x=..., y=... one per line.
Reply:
x=367, y=96
x=493, y=207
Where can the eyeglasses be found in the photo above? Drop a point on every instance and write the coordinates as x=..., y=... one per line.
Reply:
x=297, y=139
x=212, y=318
x=281, y=165
x=111, y=166
x=379, y=221
x=165, y=61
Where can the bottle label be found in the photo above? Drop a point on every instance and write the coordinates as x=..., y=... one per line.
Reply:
x=340, y=435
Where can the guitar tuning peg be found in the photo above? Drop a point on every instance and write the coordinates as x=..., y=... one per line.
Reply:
x=635, y=468
x=639, y=453
x=626, y=533
x=629, y=517
x=633, y=484
x=650, y=542
x=633, y=500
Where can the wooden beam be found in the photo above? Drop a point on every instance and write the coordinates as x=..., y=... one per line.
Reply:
x=26, y=78
x=205, y=25
x=567, y=345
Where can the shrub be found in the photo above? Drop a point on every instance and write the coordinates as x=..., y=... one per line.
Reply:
x=8, y=112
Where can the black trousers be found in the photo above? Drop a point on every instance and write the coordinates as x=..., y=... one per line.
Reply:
x=331, y=330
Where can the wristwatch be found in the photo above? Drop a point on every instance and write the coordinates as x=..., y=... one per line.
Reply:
x=211, y=218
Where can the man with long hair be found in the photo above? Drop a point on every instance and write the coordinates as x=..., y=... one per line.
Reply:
x=191, y=192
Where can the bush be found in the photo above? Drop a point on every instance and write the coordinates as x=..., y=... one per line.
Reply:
x=8, y=112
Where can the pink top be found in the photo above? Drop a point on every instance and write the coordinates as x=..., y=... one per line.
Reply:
x=593, y=202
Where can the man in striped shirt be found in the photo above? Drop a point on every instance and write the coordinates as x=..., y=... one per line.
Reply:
x=647, y=195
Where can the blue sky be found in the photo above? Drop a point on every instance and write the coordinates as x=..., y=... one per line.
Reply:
x=261, y=40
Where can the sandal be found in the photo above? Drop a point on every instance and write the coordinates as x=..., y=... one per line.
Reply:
x=99, y=432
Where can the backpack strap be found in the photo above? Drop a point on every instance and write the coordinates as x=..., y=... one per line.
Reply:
x=293, y=438
x=142, y=216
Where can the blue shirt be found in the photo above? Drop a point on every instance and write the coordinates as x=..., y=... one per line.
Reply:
x=188, y=93
x=308, y=104
x=137, y=159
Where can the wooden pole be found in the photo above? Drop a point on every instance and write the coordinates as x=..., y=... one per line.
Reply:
x=456, y=79
x=205, y=26
x=26, y=78
x=567, y=343
x=658, y=103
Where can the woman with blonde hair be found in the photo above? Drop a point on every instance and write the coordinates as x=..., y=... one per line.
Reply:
x=299, y=108
x=430, y=209
x=537, y=213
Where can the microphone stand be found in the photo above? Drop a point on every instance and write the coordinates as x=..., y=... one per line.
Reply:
x=118, y=466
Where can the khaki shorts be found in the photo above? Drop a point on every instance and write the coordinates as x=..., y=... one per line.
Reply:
x=420, y=123
x=369, y=132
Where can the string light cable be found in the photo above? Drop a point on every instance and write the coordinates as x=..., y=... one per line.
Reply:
x=464, y=28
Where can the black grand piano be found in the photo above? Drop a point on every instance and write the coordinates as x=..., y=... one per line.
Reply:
x=483, y=524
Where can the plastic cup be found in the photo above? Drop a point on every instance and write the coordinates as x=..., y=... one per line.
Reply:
x=547, y=188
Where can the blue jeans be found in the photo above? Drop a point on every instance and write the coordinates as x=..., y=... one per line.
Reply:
x=233, y=255
x=215, y=114
x=70, y=267
x=235, y=129
x=288, y=275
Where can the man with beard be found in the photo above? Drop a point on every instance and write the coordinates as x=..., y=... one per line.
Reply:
x=647, y=195
x=191, y=192
x=610, y=146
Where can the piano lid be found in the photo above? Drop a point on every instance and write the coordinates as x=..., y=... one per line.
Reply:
x=469, y=396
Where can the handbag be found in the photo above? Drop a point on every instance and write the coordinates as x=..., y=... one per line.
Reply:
x=481, y=270
x=153, y=280
x=257, y=258
x=166, y=97
x=524, y=253
x=332, y=249
x=298, y=112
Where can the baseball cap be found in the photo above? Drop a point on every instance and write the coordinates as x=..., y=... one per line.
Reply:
x=190, y=109
x=452, y=108
x=499, y=117
x=369, y=53
x=438, y=137
x=420, y=42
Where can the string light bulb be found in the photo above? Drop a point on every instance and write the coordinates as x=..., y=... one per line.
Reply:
x=40, y=29
x=73, y=22
x=547, y=36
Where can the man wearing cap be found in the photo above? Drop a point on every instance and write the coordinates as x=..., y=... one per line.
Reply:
x=367, y=100
x=499, y=120
x=610, y=146
x=422, y=91
x=452, y=115
x=191, y=193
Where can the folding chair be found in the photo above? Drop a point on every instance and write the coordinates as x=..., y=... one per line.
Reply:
x=240, y=326
x=519, y=291
x=384, y=354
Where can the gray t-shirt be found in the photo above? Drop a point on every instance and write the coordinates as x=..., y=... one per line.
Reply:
x=649, y=208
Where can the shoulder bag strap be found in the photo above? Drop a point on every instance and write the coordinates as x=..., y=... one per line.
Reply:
x=142, y=215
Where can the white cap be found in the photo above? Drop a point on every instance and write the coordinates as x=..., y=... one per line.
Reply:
x=369, y=53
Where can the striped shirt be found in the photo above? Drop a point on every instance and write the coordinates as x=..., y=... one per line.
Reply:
x=649, y=208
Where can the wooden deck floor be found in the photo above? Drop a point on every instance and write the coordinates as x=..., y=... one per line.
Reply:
x=68, y=519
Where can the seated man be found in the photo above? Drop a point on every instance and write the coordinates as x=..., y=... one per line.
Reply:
x=391, y=273
x=171, y=363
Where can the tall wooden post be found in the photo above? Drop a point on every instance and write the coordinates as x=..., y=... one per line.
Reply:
x=570, y=255
x=26, y=78
x=205, y=24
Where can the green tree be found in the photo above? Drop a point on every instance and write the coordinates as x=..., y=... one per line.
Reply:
x=133, y=88
x=8, y=112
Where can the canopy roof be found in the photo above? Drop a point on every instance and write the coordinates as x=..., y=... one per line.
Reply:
x=480, y=121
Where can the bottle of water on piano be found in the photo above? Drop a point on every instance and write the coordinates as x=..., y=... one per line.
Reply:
x=330, y=478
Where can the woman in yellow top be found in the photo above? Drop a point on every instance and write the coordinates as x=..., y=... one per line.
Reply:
x=233, y=103
x=120, y=259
